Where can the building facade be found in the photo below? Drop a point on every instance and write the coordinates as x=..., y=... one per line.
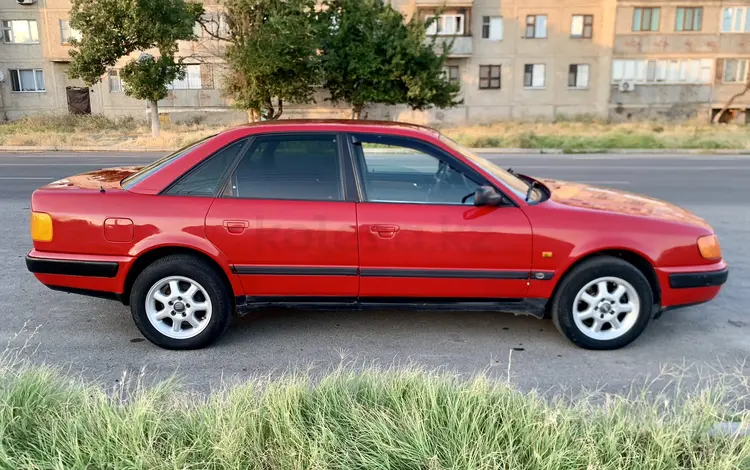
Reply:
x=513, y=59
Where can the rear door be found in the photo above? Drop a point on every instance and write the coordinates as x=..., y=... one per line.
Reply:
x=418, y=240
x=285, y=222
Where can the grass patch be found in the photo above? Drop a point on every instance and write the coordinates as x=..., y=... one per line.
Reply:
x=583, y=133
x=355, y=420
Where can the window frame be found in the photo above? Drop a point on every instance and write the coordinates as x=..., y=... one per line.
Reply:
x=741, y=80
x=20, y=86
x=437, y=28
x=9, y=29
x=739, y=13
x=544, y=76
x=660, y=72
x=696, y=23
x=639, y=12
x=171, y=86
x=343, y=161
x=432, y=150
x=584, y=25
x=487, y=27
x=448, y=71
x=489, y=77
x=66, y=41
x=535, y=25
x=110, y=76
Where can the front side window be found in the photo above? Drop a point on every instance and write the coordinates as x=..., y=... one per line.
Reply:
x=301, y=167
x=582, y=26
x=689, y=19
x=536, y=26
x=646, y=19
x=205, y=178
x=578, y=76
x=489, y=77
x=534, y=76
x=405, y=171
x=29, y=80
x=20, y=32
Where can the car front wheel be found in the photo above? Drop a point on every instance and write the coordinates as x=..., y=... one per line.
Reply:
x=180, y=302
x=604, y=303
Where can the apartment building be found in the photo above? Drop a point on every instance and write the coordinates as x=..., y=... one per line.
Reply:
x=679, y=59
x=513, y=59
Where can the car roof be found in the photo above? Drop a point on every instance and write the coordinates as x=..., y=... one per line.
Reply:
x=341, y=125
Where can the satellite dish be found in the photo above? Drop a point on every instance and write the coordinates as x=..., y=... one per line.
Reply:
x=2, y=77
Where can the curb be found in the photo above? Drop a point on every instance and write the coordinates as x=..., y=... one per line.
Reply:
x=500, y=150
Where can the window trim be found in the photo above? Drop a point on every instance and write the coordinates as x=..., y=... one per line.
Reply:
x=487, y=27
x=692, y=25
x=532, y=87
x=535, y=25
x=10, y=28
x=745, y=11
x=66, y=41
x=170, y=86
x=489, y=77
x=447, y=70
x=434, y=28
x=588, y=77
x=743, y=79
x=433, y=151
x=18, y=72
x=343, y=173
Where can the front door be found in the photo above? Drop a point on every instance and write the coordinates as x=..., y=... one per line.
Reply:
x=417, y=239
x=79, y=100
x=284, y=221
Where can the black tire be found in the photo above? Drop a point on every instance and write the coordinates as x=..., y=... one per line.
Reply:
x=197, y=270
x=578, y=278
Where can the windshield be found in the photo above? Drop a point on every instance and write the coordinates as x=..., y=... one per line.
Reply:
x=147, y=171
x=511, y=181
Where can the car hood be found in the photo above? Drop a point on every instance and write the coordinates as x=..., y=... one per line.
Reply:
x=615, y=201
x=105, y=178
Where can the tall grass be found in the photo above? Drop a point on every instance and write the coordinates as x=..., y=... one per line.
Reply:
x=372, y=419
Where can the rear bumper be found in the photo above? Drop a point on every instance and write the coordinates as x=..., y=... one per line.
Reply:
x=66, y=267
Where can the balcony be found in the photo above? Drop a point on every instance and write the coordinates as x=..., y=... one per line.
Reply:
x=461, y=46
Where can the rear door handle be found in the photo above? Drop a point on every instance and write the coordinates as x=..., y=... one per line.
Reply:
x=385, y=231
x=236, y=226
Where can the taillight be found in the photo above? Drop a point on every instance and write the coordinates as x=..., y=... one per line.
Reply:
x=41, y=227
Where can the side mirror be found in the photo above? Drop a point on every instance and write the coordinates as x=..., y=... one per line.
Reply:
x=487, y=196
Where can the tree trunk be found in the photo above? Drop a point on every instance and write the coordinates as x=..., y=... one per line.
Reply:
x=357, y=111
x=253, y=115
x=155, y=125
x=731, y=100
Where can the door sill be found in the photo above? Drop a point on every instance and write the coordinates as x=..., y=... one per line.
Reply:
x=533, y=306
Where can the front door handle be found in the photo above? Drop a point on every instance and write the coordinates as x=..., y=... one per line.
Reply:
x=385, y=231
x=236, y=226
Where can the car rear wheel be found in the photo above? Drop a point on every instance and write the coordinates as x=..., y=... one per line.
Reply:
x=604, y=303
x=180, y=302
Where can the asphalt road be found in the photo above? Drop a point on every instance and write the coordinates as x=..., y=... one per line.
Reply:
x=98, y=338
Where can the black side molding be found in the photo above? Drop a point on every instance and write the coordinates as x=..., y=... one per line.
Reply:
x=444, y=273
x=72, y=268
x=705, y=279
x=294, y=271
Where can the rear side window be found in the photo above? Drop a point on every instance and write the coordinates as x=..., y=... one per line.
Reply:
x=204, y=179
x=149, y=170
x=301, y=167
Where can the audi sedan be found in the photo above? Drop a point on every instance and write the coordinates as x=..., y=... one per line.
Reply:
x=353, y=214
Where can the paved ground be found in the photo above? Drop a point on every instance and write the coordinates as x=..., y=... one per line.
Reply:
x=98, y=338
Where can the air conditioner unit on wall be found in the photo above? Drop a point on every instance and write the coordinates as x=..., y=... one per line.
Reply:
x=626, y=86
x=25, y=2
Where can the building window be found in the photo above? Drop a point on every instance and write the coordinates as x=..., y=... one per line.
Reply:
x=115, y=82
x=662, y=71
x=489, y=77
x=536, y=26
x=735, y=71
x=450, y=72
x=492, y=28
x=20, y=32
x=578, y=76
x=689, y=19
x=27, y=80
x=447, y=25
x=646, y=19
x=191, y=81
x=735, y=20
x=582, y=26
x=67, y=33
x=533, y=75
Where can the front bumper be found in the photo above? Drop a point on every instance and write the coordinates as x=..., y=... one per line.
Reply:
x=690, y=285
x=699, y=279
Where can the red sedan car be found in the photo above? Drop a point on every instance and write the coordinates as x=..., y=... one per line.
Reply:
x=327, y=214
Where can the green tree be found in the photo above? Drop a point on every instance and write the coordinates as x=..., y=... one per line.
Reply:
x=272, y=54
x=371, y=55
x=112, y=29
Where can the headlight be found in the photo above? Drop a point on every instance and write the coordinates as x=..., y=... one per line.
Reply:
x=41, y=227
x=709, y=247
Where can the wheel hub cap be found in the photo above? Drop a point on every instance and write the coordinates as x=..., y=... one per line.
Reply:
x=179, y=307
